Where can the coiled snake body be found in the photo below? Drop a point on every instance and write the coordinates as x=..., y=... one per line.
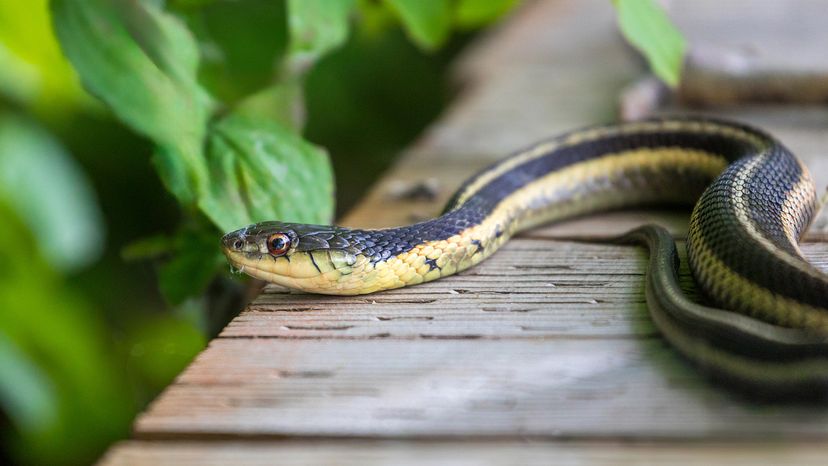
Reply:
x=769, y=330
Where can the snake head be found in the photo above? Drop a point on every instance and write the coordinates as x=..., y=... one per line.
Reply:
x=307, y=257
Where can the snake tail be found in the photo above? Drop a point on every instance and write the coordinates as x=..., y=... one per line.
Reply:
x=764, y=360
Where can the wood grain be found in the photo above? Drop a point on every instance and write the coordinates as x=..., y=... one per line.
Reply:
x=556, y=290
x=459, y=453
x=734, y=60
x=566, y=388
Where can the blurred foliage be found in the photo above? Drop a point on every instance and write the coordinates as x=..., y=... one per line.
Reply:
x=649, y=30
x=315, y=28
x=143, y=63
x=366, y=75
x=113, y=279
x=229, y=150
x=218, y=88
x=428, y=23
x=75, y=397
x=45, y=185
x=27, y=49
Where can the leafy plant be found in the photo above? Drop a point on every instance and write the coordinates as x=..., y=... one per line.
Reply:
x=234, y=156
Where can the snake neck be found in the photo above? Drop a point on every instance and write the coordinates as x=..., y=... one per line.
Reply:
x=654, y=162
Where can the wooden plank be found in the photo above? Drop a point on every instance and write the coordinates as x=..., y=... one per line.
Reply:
x=459, y=453
x=556, y=290
x=565, y=388
x=777, y=53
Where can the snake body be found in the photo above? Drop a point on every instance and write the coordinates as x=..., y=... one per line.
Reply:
x=753, y=199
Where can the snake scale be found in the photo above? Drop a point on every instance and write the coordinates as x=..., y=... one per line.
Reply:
x=767, y=328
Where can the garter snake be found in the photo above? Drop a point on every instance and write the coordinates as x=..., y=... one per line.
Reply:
x=753, y=199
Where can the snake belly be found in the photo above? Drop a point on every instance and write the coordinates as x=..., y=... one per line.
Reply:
x=753, y=199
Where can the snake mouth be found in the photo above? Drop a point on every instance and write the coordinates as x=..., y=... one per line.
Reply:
x=274, y=270
x=238, y=263
x=297, y=268
x=318, y=271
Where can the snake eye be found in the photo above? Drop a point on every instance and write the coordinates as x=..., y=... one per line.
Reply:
x=278, y=243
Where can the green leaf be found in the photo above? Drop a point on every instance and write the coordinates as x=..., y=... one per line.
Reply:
x=316, y=27
x=470, y=14
x=649, y=30
x=41, y=181
x=428, y=23
x=143, y=62
x=261, y=170
x=282, y=103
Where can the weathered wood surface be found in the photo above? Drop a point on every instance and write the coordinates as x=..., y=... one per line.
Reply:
x=543, y=353
x=555, y=290
x=459, y=453
x=730, y=61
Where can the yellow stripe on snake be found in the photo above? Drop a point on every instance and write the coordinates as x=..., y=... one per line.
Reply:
x=768, y=331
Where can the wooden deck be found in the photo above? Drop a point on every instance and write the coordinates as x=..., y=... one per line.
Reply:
x=542, y=354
